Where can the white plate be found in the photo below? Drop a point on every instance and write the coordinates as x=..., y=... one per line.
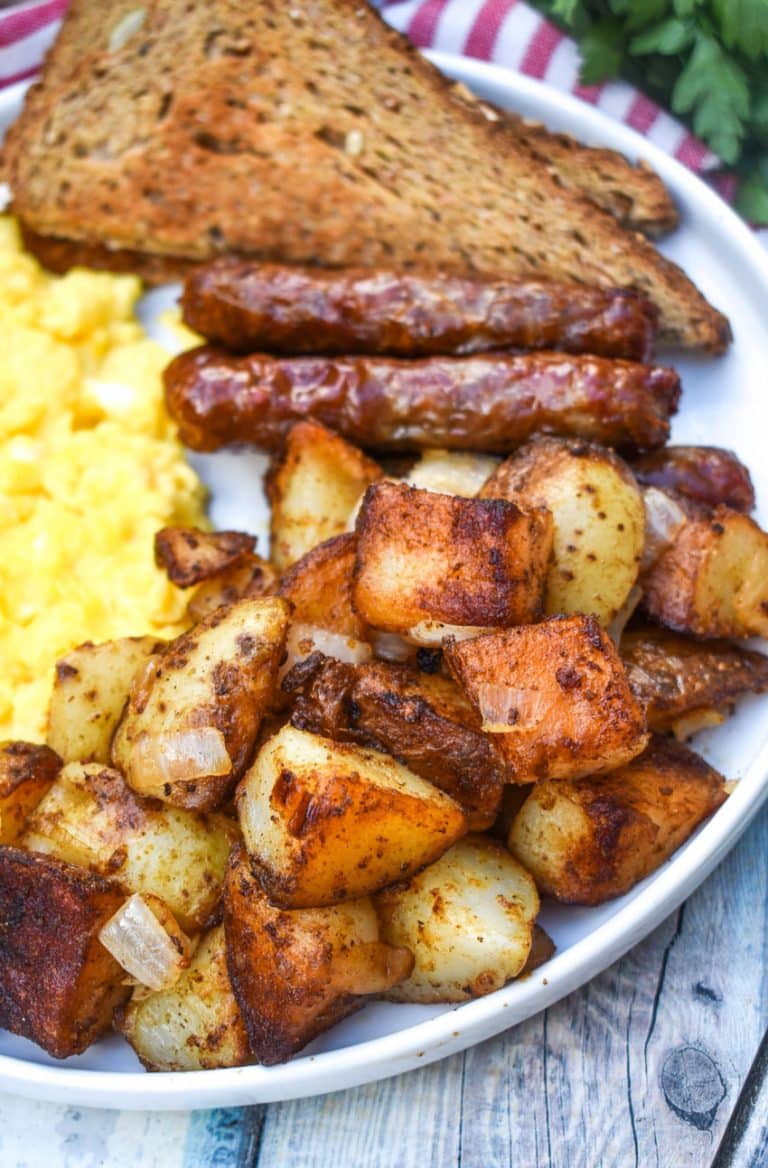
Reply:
x=723, y=404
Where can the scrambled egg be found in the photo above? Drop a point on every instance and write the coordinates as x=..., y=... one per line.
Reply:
x=89, y=470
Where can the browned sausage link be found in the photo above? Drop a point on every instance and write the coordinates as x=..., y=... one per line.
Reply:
x=278, y=309
x=491, y=403
x=706, y=474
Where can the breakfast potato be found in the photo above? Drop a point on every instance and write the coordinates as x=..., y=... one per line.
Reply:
x=713, y=580
x=598, y=517
x=91, y=817
x=326, y=821
x=423, y=720
x=555, y=696
x=27, y=772
x=246, y=579
x=426, y=561
x=468, y=920
x=451, y=472
x=677, y=678
x=319, y=588
x=90, y=690
x=192, y=719
x=297, y=972
x=59, y=984
x=190, y=555
x=195, y=1025
x=588, y=840
x=314, y=489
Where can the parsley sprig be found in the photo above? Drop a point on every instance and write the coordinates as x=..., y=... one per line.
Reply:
x=705, y=60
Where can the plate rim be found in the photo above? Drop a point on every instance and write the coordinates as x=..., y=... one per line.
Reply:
x=470, y=1022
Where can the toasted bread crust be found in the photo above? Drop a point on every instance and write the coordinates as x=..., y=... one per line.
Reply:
x=190, y=139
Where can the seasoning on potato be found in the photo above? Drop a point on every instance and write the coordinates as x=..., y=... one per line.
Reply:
x=89, y=470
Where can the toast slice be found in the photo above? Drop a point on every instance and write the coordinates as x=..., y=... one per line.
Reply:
x=310, y=133
x=632, y=192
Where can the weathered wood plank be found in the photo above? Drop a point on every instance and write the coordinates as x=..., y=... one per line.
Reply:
x=411, y=1120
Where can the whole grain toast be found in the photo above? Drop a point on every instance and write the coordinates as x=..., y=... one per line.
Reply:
x=305, y=132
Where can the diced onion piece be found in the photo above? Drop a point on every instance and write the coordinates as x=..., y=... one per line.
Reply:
x=392, y=647
x=502, y=707
x=139, y=942
x=181, y=755
x=433, y=633
x=451, y=472
x=663, y=519
x=619, y=623
x=305, y=639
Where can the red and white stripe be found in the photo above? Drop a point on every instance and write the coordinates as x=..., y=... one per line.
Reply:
x=26, y=32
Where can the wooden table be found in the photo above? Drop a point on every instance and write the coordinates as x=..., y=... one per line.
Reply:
x=653, y=1064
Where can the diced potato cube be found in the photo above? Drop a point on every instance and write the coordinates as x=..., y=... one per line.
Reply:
x=190, y=555
x=314, y=490
x=244, y=580
x=192, y=720
x=91, y=817
x=555, y=696
x=452, y=472
x=59, y=984
x=676, y=677
x=297, y=972
x=196, y=1024
x=319, y=588
x=598, y=515
x=713, y=580
x=468, y=920
x=424, y=558
x=26, y=773
x=325, y=821
x=425, y=721
x=89, y=695
x=591, y=839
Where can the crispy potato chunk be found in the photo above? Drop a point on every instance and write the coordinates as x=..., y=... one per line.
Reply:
x=589, y=840
x=27, y=772
x=246, y=579
x=90, y=690
x=675, y=676
x=598, y=515
x=554, y=695
x=191, y=723
x=58, y=984
x=319, y=588
x=325, y=821
x=196, y=1024
x=467, y=919
x=91, y=817
x=314, y=489
x=713, y=580
x=190, y=555
x=425, y=558
x=451, y=472
x=296, y=973
x=425, y=721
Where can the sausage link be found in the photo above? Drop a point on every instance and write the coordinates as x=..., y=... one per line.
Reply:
x=492, y=403
x=274, y=308
x=706, y=474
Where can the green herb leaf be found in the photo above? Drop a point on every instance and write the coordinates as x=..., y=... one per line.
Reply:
x=752, y=197
x=744, y=25
x=566, y=10
x=601, y=52
x=669, y=37
x=713, y=88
